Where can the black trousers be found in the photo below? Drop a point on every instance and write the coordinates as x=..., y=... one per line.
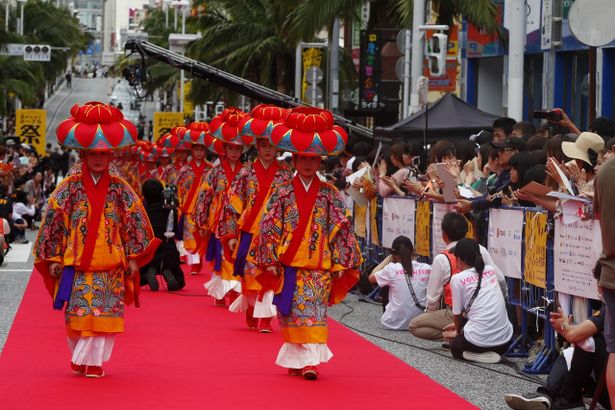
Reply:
x=460, y=345
x=585, y=370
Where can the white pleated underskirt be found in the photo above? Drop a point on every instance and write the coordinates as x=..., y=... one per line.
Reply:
x=298, y=356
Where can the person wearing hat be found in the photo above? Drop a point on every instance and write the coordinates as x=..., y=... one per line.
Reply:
x=584, y=153
x=227, y=142
x=241, y=218
x=306, y=239
x=94, y=236
x=179, y=140
x=188, y=181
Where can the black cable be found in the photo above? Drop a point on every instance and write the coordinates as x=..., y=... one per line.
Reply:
x=508, y=363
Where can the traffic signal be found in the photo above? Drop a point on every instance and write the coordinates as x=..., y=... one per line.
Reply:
x=36, y=52
x=435, y=51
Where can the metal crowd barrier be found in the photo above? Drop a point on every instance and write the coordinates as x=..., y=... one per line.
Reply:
x=526, y=300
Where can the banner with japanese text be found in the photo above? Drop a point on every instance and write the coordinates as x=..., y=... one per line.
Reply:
x=506, y=240
x=30, y=126
x=423, y=225
x=576, y=249
x=164, y=121
x=535, y=267
x=439, y=210
x=397, y=219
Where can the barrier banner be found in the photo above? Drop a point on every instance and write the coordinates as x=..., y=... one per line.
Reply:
x=506, y=240
x=439, y=210
x=423, y=224
x=164, y=121
x=360, y=220
x=535, y=267
x=397, y=219
x=577, y=247
x=30, y=126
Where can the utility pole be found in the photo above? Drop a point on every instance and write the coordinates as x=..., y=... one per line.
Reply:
x=418, y=19
x=334, y=87
x=516, y=53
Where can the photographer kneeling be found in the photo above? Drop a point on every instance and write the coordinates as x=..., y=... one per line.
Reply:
x=407, y=282
x=166, y=259
x=481, y=331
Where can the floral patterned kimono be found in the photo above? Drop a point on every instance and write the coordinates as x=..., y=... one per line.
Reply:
x=241, y=220
x=189, y=180
x=307, y=237
x=93, y=278
x=206, y=216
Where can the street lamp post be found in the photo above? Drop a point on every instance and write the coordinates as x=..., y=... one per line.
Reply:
x=181, y=4
x=21, y=22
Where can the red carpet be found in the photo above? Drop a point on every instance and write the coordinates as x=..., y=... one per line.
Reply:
x=181, y=352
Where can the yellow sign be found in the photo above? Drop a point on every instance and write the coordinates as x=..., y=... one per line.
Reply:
x=360, y=220
x=423, y=225
x=188, y=106
x=164, y=121
x=312, y=57
x=535, y=268
x=30, y=127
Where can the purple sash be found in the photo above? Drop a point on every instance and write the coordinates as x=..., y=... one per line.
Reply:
x=245, y=240
x=284, y=299
x=179, y=232
x=214, y=253
x=65, y=288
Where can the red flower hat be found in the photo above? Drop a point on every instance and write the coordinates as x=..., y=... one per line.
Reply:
x=96, y=126
x=262, y=119
x=183, y=136
x=227, y=127
x=197, y=133
x=309, y=131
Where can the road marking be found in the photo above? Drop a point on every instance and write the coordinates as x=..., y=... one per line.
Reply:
x=15, y=270
x=19, y=253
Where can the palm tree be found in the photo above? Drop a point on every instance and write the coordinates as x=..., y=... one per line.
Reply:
x=249, y=38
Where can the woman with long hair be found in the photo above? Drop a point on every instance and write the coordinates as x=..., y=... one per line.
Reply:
x=407, y=282
x=481, y=331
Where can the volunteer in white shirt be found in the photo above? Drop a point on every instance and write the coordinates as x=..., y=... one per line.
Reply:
x=437, y=316
x=477, y=297
x=407, y=282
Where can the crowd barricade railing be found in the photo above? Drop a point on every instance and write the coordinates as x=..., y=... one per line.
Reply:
x=539, y=255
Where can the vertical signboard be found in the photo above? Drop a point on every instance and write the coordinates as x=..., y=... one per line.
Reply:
x=369, y=73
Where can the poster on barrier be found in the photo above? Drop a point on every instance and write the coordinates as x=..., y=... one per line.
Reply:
x=506, y=240
x=397, y=219
x=439, y=210
x=535, y=265
x=576, y=249
x=423, y=219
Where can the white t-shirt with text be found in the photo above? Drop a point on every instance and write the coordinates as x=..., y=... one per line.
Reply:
x=488, y=323
x=401, y=308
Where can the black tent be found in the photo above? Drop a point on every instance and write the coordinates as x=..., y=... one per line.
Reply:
x=448, y=118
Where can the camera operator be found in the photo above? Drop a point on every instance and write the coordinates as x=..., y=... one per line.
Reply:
x=159, y=203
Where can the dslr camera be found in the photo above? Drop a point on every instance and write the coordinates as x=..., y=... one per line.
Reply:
x=169, y=197
x=552, y=115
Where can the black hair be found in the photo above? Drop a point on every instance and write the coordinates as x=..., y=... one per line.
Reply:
x=20, y=196
x=397, y=150
x=483, y=150
x=3, y=189
x=527, y=128
x=152, y=191
x=455, y=226
x=403, y=248
x=468, y=251
x=537, y=173
x=597, y=271
x=605, y=127
x=361, y=149
x=505, y=123
x=554, y=148
x=465, y=150
x=357, y=161
x=521, y=162
x=609, y=145
x=536, y=142
x=439, y=150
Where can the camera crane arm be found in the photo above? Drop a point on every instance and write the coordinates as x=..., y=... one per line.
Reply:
x=230, y=81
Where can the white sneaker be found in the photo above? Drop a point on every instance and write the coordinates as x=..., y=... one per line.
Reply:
x=531, y=401
x=486, y=357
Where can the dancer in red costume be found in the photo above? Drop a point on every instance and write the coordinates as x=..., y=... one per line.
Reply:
x=246, y=205
x=94, y=236
x=306, y=239
x=189, y=180
x=229, y=144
